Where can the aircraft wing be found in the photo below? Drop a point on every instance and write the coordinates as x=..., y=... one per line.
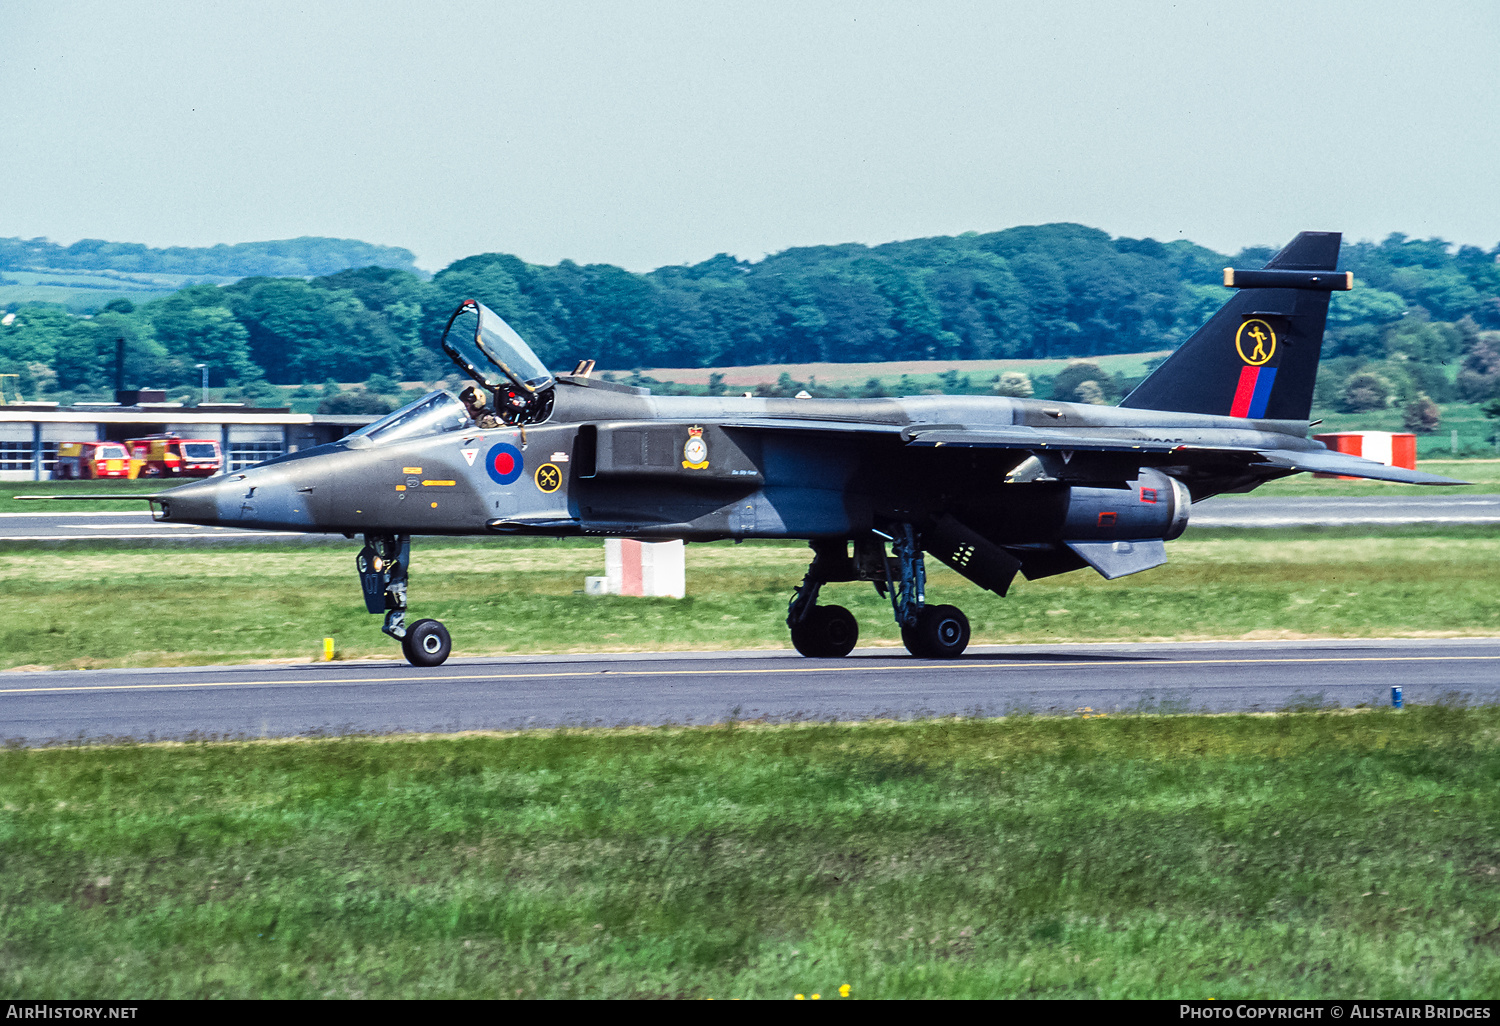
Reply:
x=813, y=424
x=1026, y=438
x=1033, y=440
x=1019, y=438
x=1349, y=466
x=1324, y=462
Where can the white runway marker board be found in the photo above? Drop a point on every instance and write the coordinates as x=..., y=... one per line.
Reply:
x=645, y=569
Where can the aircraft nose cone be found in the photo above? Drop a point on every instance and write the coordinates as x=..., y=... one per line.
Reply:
x=196, y=503
x=259, y=497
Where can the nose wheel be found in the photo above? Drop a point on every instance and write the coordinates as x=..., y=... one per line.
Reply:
x=426, y=643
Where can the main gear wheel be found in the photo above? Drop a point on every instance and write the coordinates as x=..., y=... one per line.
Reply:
x=826, y=632
x=941, y=632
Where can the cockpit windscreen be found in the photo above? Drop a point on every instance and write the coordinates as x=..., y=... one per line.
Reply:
x=432, y=414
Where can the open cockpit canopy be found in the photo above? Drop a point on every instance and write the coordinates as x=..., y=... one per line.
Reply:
x=500, y=344
x=525, y=394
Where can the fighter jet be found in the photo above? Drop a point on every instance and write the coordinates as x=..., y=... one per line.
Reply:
x=991, y=486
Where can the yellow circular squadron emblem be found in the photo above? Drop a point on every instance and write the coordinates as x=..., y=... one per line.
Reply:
x=1256, y=342
x=548, y=478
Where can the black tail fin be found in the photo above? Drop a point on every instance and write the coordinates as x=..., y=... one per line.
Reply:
x=1258, y=356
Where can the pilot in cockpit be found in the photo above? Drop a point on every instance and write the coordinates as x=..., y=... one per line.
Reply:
x=525, y=397
x=474, y=401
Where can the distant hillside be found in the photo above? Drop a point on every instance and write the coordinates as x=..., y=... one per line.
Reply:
x=1422, y=326
x=306, y=257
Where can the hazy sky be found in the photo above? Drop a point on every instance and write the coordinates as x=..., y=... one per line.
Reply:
x=645, y=134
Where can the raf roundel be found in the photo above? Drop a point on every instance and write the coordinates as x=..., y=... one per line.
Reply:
x=504, y=462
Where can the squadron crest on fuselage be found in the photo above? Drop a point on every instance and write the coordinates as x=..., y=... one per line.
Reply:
x=695, y=450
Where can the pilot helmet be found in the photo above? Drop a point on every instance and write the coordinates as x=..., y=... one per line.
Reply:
x=472, y=396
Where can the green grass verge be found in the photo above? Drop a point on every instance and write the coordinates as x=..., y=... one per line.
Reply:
x=113, y=606
x=1474, y=429
x=1298, y=855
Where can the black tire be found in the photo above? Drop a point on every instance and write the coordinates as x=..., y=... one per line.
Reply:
x=840, y=631
x=942, y=632
x=426, y=643
x=911, y=637
x=828, y=632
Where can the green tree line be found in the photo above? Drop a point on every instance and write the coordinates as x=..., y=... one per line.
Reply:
x=1059, y=290
x=304, y=257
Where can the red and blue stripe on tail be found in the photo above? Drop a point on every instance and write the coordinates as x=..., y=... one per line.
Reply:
x=1253, y=393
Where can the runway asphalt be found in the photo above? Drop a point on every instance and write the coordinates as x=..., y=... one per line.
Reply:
x=81, y=525
x=1225, y=511
x=610, y=690
x=1343, y=511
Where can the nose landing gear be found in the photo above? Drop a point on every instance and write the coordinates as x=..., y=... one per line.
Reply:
x=382, y=566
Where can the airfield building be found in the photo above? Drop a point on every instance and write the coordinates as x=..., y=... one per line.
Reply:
x=31, y=433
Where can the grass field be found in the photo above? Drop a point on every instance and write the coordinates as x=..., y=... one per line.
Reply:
x=103, y=605
x=1296, y=855
x=85, y=290
x=1474, y=430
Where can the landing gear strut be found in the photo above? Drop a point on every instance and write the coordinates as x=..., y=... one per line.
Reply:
x=383, y=565
x=929, y=632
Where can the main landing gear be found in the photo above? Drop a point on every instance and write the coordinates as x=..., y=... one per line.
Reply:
x=382, y=565
x=929, y=632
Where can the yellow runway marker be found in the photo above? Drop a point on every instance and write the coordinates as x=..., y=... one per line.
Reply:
x=906, y=667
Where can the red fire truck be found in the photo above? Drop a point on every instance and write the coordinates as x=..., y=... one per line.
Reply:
x=170, y=456
x=91, y=460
